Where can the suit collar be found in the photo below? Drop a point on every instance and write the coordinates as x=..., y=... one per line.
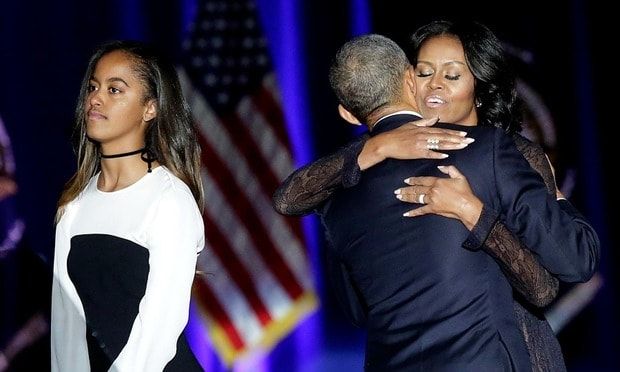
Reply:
x=394, y=120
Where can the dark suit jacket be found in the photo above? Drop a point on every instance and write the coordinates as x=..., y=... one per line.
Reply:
x=427, y=302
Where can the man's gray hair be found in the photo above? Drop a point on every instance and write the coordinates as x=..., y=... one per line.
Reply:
x=368, y=73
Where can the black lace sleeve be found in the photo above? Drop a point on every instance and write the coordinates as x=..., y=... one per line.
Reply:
x=525, y=274
x=308, y=187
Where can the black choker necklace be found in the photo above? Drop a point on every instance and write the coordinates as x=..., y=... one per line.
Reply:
x=146, y=156
x=123, y=154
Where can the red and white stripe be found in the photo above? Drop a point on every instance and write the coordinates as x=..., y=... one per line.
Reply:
x=255, y=262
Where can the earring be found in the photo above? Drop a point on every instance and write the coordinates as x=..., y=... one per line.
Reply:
x=478, y=103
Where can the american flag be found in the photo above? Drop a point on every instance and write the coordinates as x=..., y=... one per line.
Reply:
x=257, y=283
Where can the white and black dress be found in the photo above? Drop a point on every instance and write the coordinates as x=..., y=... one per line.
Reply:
x=123, y=270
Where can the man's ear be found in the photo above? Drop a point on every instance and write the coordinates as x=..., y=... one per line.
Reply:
x=346, y=115
x=410, y=80
x=150, y=111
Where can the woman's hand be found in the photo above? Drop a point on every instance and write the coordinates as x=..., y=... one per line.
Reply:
x=449, y=197
x=415, y=140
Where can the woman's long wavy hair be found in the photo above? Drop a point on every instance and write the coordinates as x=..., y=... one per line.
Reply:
x=497, y=103
x=170, y=137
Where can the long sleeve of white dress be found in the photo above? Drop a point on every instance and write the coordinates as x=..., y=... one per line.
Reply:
x=174, y=238
x=69, y=353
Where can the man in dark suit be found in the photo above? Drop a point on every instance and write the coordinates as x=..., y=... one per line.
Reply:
x=429, y=298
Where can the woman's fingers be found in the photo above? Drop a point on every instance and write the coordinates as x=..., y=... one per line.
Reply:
x=412, y=141
x=422, y=181
x=413, y=194
x=451, y=171
x=417, y=212
x=441, y=136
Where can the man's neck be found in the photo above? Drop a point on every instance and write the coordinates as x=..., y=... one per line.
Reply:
x=374, y=117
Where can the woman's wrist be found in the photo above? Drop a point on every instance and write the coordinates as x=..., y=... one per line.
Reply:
x=470, y=212
x=372, y=153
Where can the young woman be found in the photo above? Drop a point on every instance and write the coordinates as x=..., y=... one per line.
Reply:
x=129, y=226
